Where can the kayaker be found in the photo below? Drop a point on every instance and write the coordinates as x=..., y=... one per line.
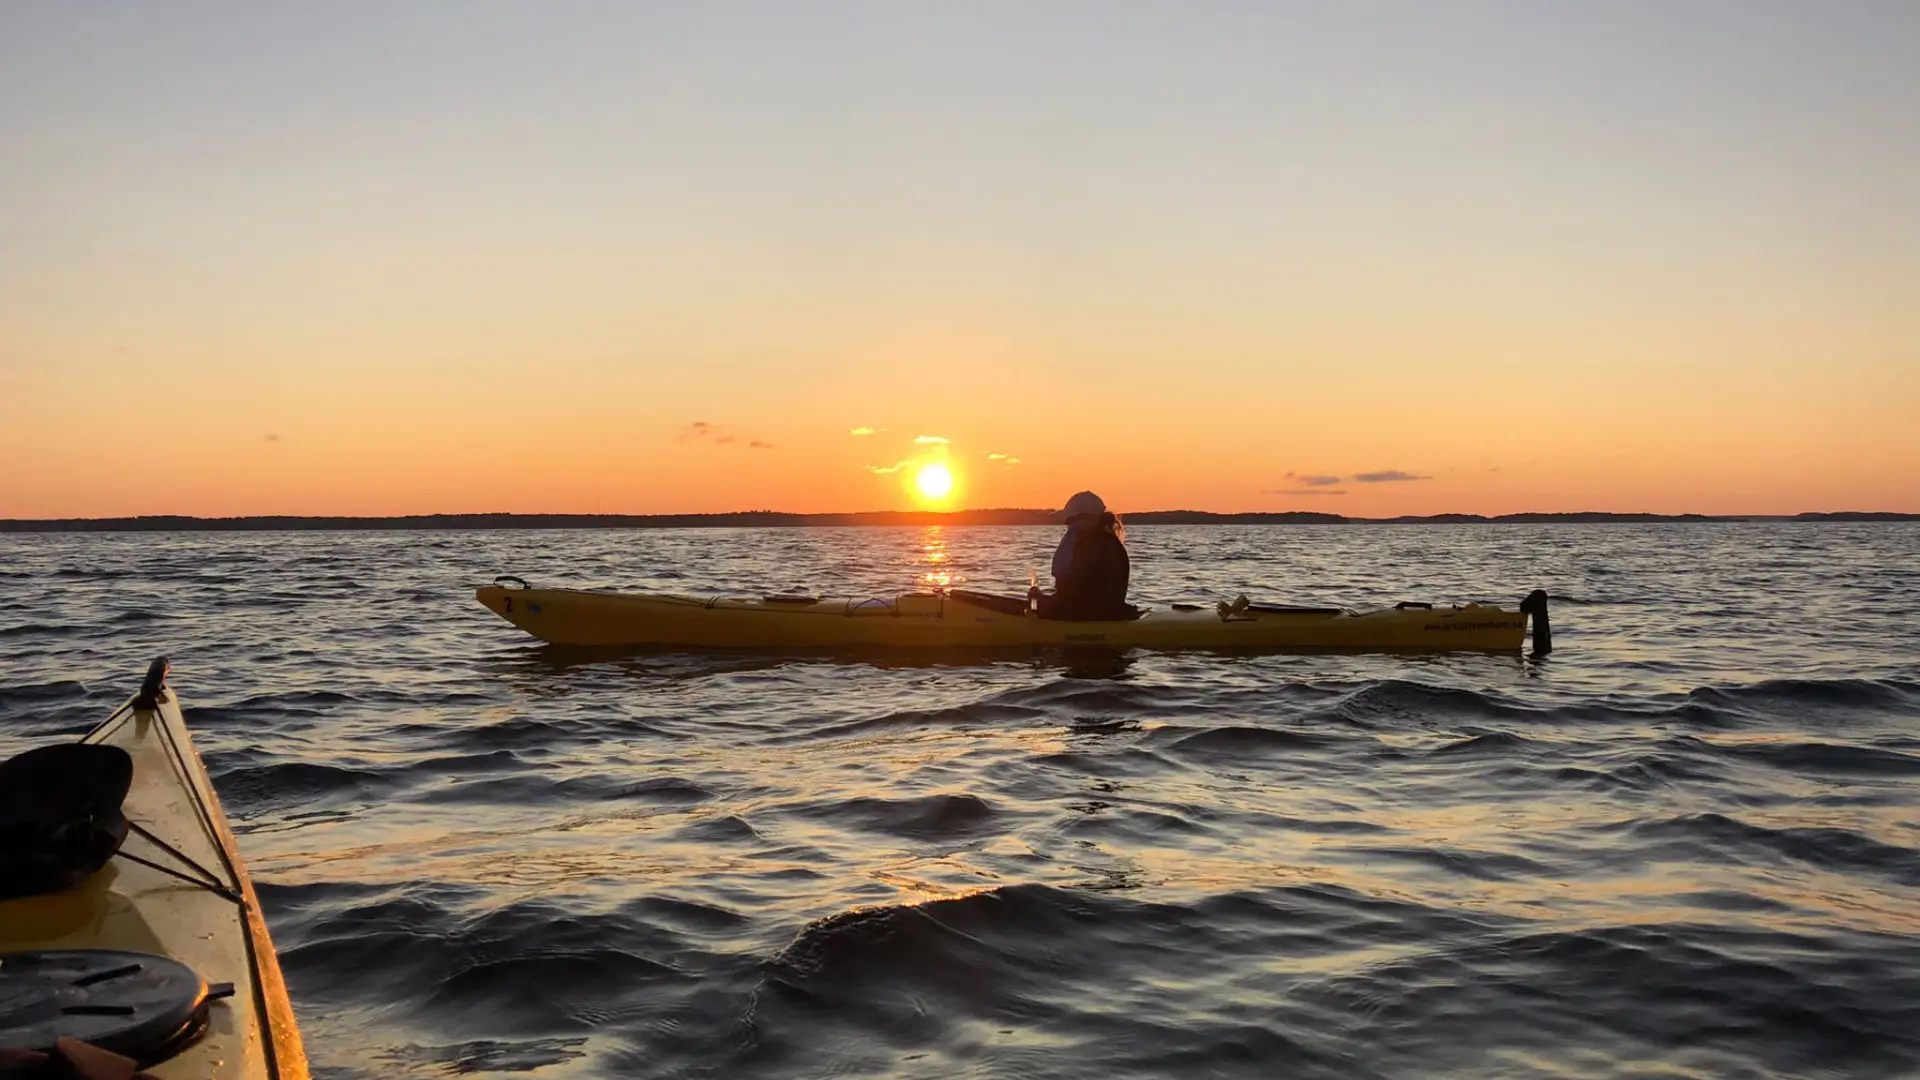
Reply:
x=1090, y=567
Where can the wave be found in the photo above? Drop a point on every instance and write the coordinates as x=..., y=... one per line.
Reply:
x=526, y=968
x=902, y=719
x=1486, y=744
x=925, y=817
x=1131, y=761
x=667, y=789
x=1235, y=741
x=57, y=690
x=686, y=916
x=522, y=732
x=1393, y=703
x=484, y=1056
x=1831, y=759
x=551, y=789
x=1457, y=862
x=1841, y=693
x=511, y=990
x=1720, y=997
x=269, y=710
x=1716, y=836
x=254, y=789
x=476, y=763
x=1299, y=919
x=1106, y=984
x=726, y=829
x=41, y=631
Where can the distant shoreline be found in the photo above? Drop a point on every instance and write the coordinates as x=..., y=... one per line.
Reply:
x=870, y=519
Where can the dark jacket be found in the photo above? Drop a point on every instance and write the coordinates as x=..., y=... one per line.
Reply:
x=1095, y=588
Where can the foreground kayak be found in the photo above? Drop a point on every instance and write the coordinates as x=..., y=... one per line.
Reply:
x=161, y=954
x=960, y=619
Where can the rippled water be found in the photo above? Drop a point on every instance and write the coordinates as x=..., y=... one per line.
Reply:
x=1685, y=845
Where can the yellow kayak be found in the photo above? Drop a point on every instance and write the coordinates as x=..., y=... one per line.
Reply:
x=961, y=619
x=160, y=954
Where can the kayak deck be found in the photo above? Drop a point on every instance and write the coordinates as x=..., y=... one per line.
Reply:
x=970, y=620
x=217, y=931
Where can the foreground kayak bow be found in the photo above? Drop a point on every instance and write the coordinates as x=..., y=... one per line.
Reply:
x=149, y=943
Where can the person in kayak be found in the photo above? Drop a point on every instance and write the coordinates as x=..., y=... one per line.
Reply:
x=1090, y=567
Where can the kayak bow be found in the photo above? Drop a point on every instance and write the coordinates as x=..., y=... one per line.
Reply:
x=162, y=954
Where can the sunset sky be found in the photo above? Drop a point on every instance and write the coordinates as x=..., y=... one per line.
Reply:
x=1354, y=255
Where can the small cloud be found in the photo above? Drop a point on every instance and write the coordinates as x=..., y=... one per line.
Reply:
x=1013, y=461
x=996, y=457
x=273, y=436
x=720, y=436
x=1390, y=476
x=861, y=431
x=929, y=440
x=884, y=469
x=1493, y=468
x=1301, y=491
x=1004, y=459
x=1314, y=481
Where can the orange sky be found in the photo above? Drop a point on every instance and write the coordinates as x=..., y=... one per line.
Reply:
x=385, y=269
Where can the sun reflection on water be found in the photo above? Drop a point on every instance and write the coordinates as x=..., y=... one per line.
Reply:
x=939, y=572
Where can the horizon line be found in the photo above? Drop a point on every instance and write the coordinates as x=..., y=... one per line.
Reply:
x=1001, y=516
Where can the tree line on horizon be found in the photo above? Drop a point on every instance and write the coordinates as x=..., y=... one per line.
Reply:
x=775, y=519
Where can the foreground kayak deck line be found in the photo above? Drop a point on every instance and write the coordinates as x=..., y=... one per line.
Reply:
x=956, y=618
x=177, y=889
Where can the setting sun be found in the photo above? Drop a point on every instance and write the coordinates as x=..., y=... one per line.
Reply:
x=933, y=481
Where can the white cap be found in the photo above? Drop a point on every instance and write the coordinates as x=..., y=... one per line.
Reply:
x=1083, y=504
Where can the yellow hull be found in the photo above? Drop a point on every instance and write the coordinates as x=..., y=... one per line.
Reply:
x=129, y=906
x=575, y=617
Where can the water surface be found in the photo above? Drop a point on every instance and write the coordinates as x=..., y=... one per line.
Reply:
x=1687, y=844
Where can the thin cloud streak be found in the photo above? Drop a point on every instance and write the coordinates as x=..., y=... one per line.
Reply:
x=1314, y=480
x=719, y=436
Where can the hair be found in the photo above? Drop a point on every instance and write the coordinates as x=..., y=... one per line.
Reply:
x=1107, y=520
